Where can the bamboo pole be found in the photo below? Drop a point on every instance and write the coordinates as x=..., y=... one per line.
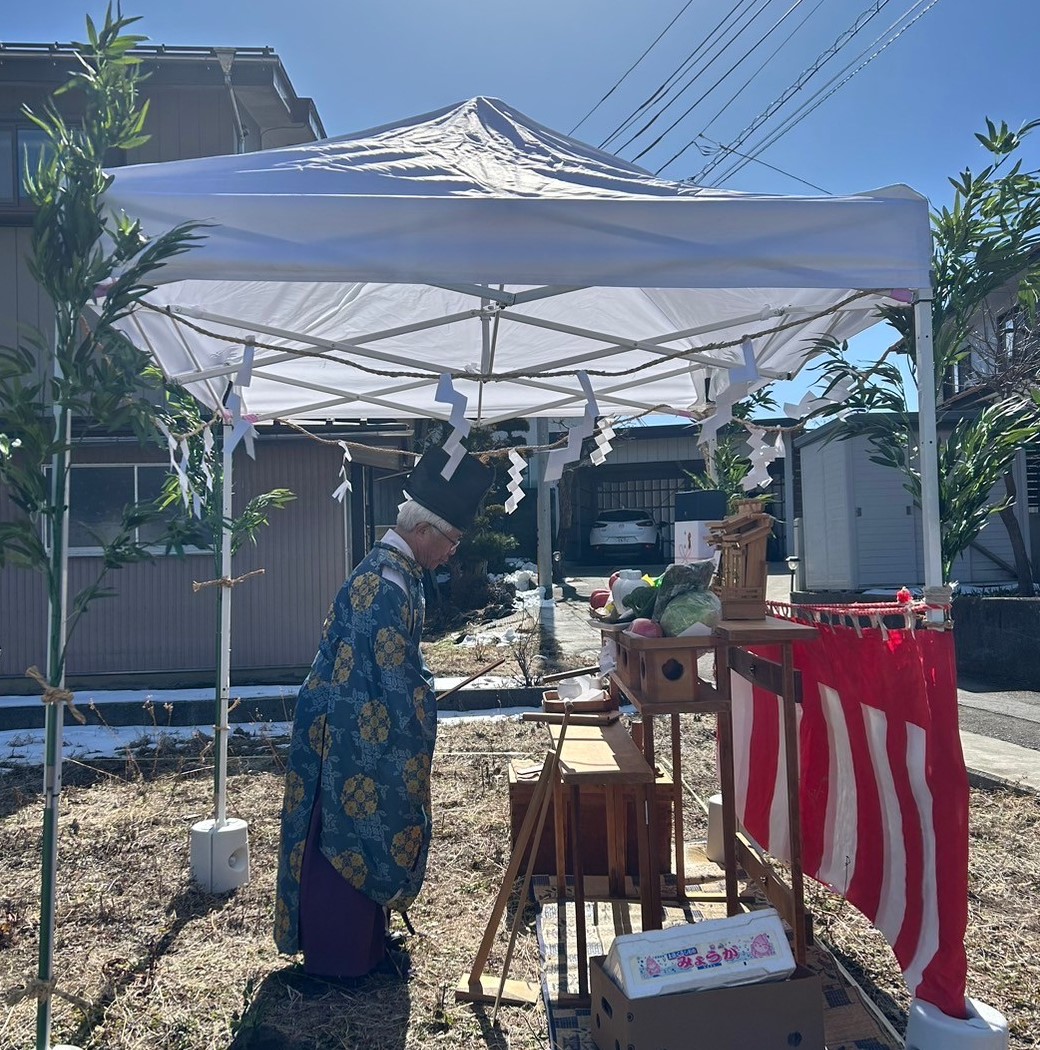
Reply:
x=58, y=587
x=472, y=678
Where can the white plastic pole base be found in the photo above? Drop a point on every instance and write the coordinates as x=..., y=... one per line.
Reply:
x=715, y=850
x=928, y=1028
x=220, y=855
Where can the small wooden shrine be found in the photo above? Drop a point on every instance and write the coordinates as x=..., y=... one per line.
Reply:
x=740, y=580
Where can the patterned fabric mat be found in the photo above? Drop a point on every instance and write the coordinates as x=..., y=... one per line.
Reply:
x=848, y=1023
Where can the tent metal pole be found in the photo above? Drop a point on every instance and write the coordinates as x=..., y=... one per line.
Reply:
x=928, y=455
x=224, y=639
x=543, y=516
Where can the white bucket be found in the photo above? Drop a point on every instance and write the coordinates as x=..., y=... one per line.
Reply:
x=928, y=1028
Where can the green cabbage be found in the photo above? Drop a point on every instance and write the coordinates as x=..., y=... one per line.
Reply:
x=687, y=609
x=679, y=578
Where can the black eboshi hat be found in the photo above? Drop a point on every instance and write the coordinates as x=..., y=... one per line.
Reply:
x=454, y=499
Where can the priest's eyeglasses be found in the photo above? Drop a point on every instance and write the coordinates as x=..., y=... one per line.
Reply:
x=454, y=541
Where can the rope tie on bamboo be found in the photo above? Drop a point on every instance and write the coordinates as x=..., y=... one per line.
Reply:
x=41, y=991
x=53, y=694
x=224, y=581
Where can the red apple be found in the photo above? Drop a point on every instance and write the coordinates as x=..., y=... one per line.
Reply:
x=599, y=598
x=647, y=628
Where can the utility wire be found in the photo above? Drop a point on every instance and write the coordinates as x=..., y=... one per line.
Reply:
x=682, y=116
x=772, y=167
x=821, y=60
x=880, y=43
x=624, y=76
x=787, y=39
x=676, y=73
x=737, y=32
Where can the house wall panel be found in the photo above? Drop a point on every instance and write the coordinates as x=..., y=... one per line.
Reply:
x=885, y=527
x=277, y=617
x=826, y=511
x=156, y=623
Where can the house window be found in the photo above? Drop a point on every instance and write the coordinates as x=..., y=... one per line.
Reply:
x=20, y=148
x=97, y=495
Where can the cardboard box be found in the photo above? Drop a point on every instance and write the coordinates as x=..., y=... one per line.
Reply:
x=712, y=953
x=775, y=1015
x=594, y=826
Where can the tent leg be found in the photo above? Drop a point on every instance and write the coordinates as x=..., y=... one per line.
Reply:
x=929, y=454
x=220, y=847
x=544, y=514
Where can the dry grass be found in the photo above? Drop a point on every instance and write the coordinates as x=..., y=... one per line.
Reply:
x=166, y=965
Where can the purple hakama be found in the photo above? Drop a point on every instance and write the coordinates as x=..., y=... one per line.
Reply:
x=341, y=930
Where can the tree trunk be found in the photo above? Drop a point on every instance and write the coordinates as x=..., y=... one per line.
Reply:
x=1018, y=544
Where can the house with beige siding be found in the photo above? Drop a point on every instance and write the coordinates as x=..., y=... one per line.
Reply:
x=157, y=629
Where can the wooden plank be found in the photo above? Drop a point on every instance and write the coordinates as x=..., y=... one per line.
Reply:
x=767, y=674
x=586, y=718
x=763, y=632
x=485, y=988
x=600, y=754
x=777, y=892
x=794, y=816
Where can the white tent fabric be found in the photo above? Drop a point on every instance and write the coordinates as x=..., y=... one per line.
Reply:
x=477, y=242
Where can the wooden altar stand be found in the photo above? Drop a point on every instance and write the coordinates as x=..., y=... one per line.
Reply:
x=604, y=756
x=659, y=676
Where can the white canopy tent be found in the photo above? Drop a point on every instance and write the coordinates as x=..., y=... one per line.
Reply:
x=477, y=242
x=342, y=279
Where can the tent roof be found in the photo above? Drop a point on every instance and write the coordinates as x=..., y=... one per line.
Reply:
x=475, y=241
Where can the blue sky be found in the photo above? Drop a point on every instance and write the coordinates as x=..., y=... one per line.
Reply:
x=909, y=116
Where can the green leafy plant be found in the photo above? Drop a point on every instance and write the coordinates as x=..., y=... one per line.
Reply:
x=81, y=254
x=986, y=248
x=181, y=415
x=726, y=465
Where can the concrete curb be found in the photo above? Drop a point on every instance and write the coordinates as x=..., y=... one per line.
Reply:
x=160, y=714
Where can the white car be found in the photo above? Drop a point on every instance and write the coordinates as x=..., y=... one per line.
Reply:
x=626, y=532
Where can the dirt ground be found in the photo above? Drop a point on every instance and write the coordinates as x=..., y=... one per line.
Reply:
x=162, y=964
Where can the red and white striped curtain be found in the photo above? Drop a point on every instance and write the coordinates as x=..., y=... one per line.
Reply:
x=884, y=792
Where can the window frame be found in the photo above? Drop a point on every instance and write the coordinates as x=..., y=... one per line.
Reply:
x=158, y=550
x=17, y=206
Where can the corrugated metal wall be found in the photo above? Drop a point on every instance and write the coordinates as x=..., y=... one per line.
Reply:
x=22, y=303
x=157, y=624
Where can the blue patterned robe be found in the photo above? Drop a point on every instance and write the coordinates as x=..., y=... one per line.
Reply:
x=363, y=735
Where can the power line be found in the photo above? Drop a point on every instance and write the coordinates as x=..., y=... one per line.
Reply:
x=787, y=39
x=624, y=76
x=841, y=41
x=884, y=39
x=718, y=146
x=691, y=80
x=780, y=21
x=666, y=85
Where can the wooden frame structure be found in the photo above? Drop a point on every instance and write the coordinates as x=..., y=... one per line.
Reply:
x=646, y=660
x=741, y=575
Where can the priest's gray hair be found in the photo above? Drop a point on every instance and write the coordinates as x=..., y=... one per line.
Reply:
x=410, y=513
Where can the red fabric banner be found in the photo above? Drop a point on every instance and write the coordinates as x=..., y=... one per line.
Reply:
x=884, y=791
